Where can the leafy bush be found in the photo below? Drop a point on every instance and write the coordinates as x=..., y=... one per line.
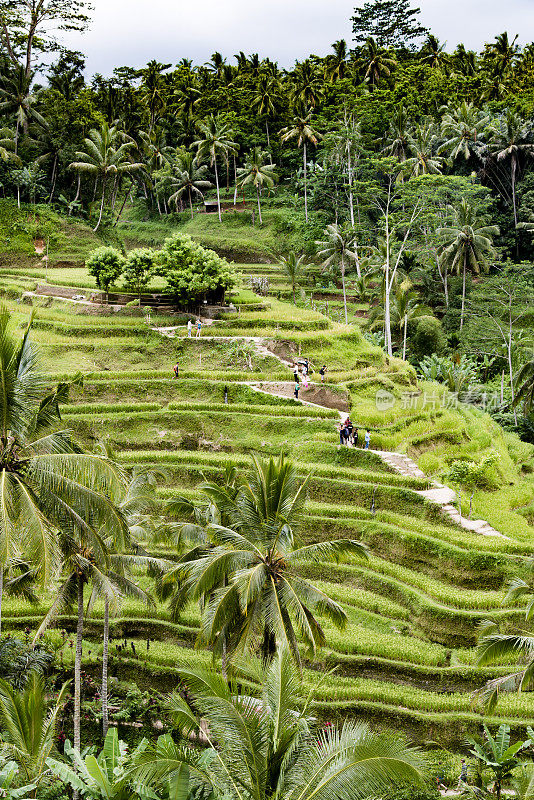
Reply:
x=139, y=269
x=191, y=271
x=428, y=337
x=105, y=264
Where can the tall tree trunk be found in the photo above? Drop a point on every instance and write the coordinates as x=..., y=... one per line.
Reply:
x=259, y=204
x=463, y=295
x=305, y=183
x=351, y=198
x=54, y=176
x=101, y=207
x=235, y=180
x=344, y=290
x=1, y=595
x=126, y=198
x=268, y=141
x=191, y=203
x=514, y=203
x=105, y=660
x=78, y=667
x=404, y=342
x=217, y=187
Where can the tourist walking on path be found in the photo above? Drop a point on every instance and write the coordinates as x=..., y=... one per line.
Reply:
x=341, y=429
x=355, y=437
x=176, y=370
x=296, y=373
x=349, y=427
x=322, y=372
x=189, y=328
x=305, y=379
x=462, y=780
x=367, y=438
x=296, y=390
x=199, y=328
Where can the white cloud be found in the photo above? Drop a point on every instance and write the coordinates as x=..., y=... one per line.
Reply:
x=131, y=32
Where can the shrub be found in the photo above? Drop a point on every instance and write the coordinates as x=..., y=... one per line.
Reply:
x=428, y=337
x=139, y=269
x=105, y=264
x=191, y=271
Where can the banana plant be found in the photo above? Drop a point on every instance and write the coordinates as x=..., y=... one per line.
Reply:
x=8, y=776
x=106, y=776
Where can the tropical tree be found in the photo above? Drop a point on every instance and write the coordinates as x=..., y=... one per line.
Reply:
x=270, y=746
x=525, y=387
x=433, y=53
x=138, y=269
x=188, y=178
x=306, y=85
x=494, y=646
x=511, y=142
x=266, y=97
x=398, y=135
x=105, y=158
x=8, y=143
x=17, y=100
x=257, y=173
x=107, y=776
x=302, y=130
x=462, y=128
x=338, y=249
x=294, y=267
x=252, y=595
x=28, y=725
x=215, y=142
x=335, y=64
x=344, y=148
x=495, y=753
x=405, y=307
x=376, y=62
x=422, y=158
x=503, y=53
x=46, y=482
x=467, y=244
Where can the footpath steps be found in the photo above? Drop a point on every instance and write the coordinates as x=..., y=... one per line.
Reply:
x=440, y=494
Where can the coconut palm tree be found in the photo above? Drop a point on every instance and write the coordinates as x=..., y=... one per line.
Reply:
x=252, y=595
x=28, y=725
x=433, y=53
x=397, y=137
x=301, y=130
x=511, y=142
x=422, y=158
x=494, y=646
x=188, y=178
x=16, y=100
x=294, y=267
x=343, y=148
x=338, y=250
x=405, y=306
x=503, y=53
x=46, y=482
x=266, y=98
x=104, y=158
x=462, y=128
x=269, y=745
x=306, y=85
x=257, y=173
x=467, y=244
x=335, y=64
x=525, y=387
x=215, y=142
x=8, y=143
x=376, y=62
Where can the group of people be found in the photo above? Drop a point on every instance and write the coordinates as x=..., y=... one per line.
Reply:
x=348, y=435
x=301, y=372
x=198, y=328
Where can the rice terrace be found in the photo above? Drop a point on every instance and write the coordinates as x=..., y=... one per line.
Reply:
x=267, y=414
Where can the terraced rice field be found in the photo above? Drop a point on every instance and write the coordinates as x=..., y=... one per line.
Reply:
x=407, y=654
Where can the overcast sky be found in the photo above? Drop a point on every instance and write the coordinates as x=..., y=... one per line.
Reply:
x=131, y=32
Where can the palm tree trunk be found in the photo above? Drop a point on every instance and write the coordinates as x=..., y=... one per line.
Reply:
x=126, y=198
x=1, y=595
x=77, y=189
x=217, y=186
x=268, y=141
x=351, y=198
x=514, y=202
x=101, y=207
x=78, y=667
x=463, y=295
x=305, y=184
x=404, y=342
x=191, y=203
x=344, y=290
x=235, y=180
x=105, y=660
x=259, y=204
x=54, y=176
